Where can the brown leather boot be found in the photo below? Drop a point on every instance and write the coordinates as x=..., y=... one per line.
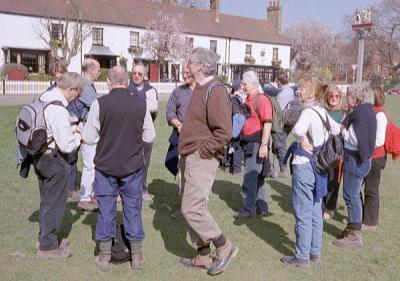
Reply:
x=224, y=256
x=103, y=262
x=137, y=260
x=352, y=239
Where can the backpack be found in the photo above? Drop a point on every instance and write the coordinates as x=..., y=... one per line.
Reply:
x=277, y=119
x=291, y=113
x=240, y=112
x=392, y=140
x=332, y=149
x=30, y=127
x=120, y=250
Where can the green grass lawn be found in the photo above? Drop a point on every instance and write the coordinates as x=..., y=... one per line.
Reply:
x=261, y=241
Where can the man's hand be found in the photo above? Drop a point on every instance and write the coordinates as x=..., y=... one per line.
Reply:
x=263, y=151
x=176, y=124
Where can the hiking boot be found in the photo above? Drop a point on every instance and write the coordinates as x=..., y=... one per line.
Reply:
x=74, y=195
x=315, y=258
x=103, y=262
x=242, y=214
x=88, y=206
x=224, y=256
x=295, y=261
x=352, y=239
x=58, y=253
x=176, y=215
x=198, y=261
x=137, y=260
x=372, y=228
x=147, y=197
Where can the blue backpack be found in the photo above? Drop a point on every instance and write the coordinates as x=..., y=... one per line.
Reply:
x=240, y=112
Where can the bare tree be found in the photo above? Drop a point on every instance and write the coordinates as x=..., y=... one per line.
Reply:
x=312, y=46
x=385, y=34
x=200, y=4
x=164, y=39
x=64, y=31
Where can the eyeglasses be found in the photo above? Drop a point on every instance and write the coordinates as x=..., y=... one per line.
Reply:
x=137, y=73
x=334, y=96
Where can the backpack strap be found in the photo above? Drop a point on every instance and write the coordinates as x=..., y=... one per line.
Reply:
x=210, y=87
x=326, y=123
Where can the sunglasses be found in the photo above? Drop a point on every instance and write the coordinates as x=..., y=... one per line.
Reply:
x=138, y=73
x=334, y=96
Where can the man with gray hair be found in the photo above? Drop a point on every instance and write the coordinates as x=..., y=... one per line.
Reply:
x=91, y=71
x=207, y=127
x=52, y=168
x=254, y=140
x=117, y=123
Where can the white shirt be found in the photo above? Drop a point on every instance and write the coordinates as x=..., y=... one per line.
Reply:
x=309, y=121
x=59, y=123
x=381, y=123
x=92, y=127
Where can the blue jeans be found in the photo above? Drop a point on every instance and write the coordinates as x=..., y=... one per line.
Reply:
x=353, y=178
x=307, y=212
x=254, y=187
x=106, y=189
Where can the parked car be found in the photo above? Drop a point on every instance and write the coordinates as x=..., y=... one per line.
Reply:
x=395, y=90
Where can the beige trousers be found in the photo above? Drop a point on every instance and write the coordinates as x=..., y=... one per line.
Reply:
x=197, y=179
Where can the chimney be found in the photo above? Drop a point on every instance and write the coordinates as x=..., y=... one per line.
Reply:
x=214, y=9
x=274, y=14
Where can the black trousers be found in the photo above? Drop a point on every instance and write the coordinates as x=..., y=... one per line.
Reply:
x=371, y=192
x=279, y=146
x=148, y=148
x=331, y=198
x=52, y=172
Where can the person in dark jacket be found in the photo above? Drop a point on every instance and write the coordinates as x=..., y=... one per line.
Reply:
x=359, y=133
x=140, y=87
x=116, y=123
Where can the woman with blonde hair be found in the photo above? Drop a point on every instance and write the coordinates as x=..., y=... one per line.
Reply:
x=308, y=186
x=333, y=105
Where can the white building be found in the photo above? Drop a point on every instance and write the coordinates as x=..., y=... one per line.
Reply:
x=119, y=24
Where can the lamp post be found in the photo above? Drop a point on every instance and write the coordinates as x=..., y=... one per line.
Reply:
x=362, y=26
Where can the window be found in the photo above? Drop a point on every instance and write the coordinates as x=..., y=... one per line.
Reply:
x=275, y=54
x=97, y=36
x=189, y=41
x=134, y=38
x=57, y=31
x=248, y=50
x=213, y=45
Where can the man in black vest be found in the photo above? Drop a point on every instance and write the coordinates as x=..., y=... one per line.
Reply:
x=116, y=123
x=139, y=87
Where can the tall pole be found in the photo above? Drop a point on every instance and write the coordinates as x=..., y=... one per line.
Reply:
x=361, y=36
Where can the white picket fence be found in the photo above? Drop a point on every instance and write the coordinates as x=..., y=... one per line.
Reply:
x=37, y=87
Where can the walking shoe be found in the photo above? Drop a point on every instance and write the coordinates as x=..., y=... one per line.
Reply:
x=315, y=258
x=103, y=262
x=327, y=214
x=147, y=197
x=198, y=261
x=352, y=239
x=294, y=261
x=137, y=260
x=242, y=214
x=372, y=228
x=176, y=215
x=74, y=195
x=63, y=244
x=87, y=206
x=225, y=254
x=58, y=253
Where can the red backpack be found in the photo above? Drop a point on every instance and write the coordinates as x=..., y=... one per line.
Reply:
x=392, y=140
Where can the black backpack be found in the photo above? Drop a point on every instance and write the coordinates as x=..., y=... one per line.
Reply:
x=329, y=156
x=120, y=250
x=291, y=113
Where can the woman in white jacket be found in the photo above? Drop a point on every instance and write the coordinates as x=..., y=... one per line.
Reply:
x=308, y=186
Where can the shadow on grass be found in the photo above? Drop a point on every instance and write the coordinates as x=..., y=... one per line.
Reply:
x=272, y=233
x=173, y=232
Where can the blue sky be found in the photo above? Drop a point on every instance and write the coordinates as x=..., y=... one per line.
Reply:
x=331, y=12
